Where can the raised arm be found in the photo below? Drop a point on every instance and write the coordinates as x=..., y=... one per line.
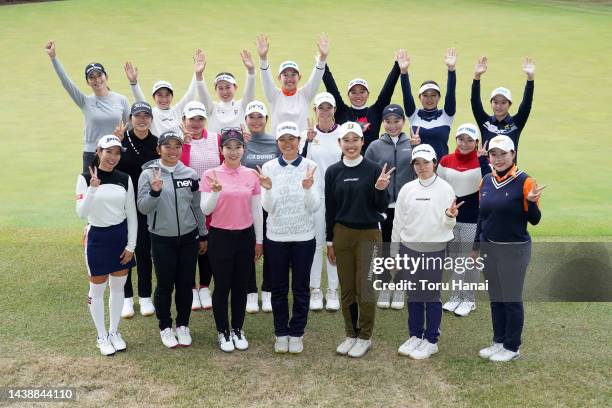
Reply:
x=203, y=94
x=249, y=88
x=479, y=113
x=267, y=81
x=520, y=119
x=450, y=103
x=403, y=62
x=77, y=96
x=312, y=86
x=196, y=82
x=131, y=72
x=386, y=93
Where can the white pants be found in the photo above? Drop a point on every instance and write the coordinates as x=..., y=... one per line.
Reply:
x=317, y=262
x=462, y=245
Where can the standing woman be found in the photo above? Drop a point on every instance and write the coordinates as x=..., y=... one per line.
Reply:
x=140, y=147
x=435, y=124
x=464, y=170
x=232, y=195
x=321, y=146
x=508, y=201
x=501, y=122
x=168, y=192
x=394, y=149
x=260, y=148
x=355, y=198
x=105, y=197
x=102, y=110
x=425, y=215
x=291, y=197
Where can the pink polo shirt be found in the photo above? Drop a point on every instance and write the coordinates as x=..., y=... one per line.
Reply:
x=233, y=210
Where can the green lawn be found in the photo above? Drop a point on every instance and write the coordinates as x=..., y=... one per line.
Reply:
x=47, y=336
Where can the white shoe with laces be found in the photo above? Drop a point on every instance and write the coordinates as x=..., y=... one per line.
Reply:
x=296, y=345
x=384, y=299
x=424, y=350
x=183, y=336
x=252, y=305
x=239, y=340
x=117, y=341
x=225, y=342
x=146, y=306
x=205, y=298
x=105, y=346
x=360, y=348
x=332, y=303
x=505, y=355
x=465, y=308
x=168, y=338
x=316, y=299
x=127, y=312
x=487, y=352
x=452, y=304
x=266, y=302
x=281, y=344
x=397, y=302
x=409, y=346
x=346, y=345
x=195, y=303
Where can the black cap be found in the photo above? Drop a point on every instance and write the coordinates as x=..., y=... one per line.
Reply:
x=138, y=107
x=393, y=109
x=167, y=136
x=228, y=134
x=94, y=66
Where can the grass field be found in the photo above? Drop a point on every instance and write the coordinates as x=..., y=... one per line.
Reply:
x=47, y=336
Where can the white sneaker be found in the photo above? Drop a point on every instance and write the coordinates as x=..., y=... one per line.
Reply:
x=105, y=346
x=360, y=348
x=346, y=345
x=225, y=342
x=452, y=304
x=266, y=302
x=127, y=312
x=117, y=341
x=332, y=303
x=397, y=302
x=205, y=298
x=465, y=308
x=168, y=338
x=424, y=350
x=252, y=305
x=146, y=306
x=384, y=299
x=183, y=336
x=195, y=303
x=281, y=345
x=316, y=299
x=296, y=345
x=409, y=346
x=505, y=355
x=487, y=352
x=239, y=340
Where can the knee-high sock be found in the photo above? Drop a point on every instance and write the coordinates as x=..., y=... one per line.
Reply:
x=96, y=306
x=115, y=300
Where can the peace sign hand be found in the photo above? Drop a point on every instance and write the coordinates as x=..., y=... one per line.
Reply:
x=263, y=45
x=50, y=49
x=415, y=139
x=453, y=210
x=264, y=181
x=384, y=179
x=187, y=135
x=157, y=183
x=213, y=183
x=310, y=133
x=529, y=68
x=120, y=130
x=481, y=67
x=482, y=151
x=131, y=72
x=535, y=192
x=247, y=61
x=246, y=135
x=308, y=181
x=450, y=59
x=94, y=181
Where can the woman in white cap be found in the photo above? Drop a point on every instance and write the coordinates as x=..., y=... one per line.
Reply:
x=168, y=192
x=355, y=198
x=393, y=148
x=260, y=148
x=102, y=110
x=291, y=196
x=105, y=197
x=425, y=214
x=434, y=124
x=232, y=195
x=321, y=146
x=166, y=117
x=290, y=103
x=463, y=170
x=228, y=112
x=508, y=201
x=501, y=122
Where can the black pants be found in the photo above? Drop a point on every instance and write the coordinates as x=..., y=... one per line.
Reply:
x=205, y=270
x=175, y=263
x=231, y=253
x=252, y=283
x=144, y=264
x=281, y=256
x=386, y=228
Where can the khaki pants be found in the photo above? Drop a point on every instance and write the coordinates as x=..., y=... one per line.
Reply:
x=358, y=302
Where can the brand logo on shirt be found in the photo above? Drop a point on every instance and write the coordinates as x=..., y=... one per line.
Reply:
x=423, y=199
x=182, y=183
x=351, y=179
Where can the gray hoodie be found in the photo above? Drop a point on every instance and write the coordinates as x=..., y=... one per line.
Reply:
x=399, y=156
x=175, y=210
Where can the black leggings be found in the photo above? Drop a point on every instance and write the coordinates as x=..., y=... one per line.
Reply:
x=144, y=264
x=252, y=278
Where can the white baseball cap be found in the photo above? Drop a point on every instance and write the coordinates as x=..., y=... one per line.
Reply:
x=423, y=151
x=287, y=65
x=226, y=78
x=256, y=106
x=109, y=141
x=358, y=81
x=468, y=129
x=349, y=127
x=193, y=109
x=162, y=84
x=324, y=97
x=287, y=128
x=501, y=142
x=427, y=86
x=505, y=92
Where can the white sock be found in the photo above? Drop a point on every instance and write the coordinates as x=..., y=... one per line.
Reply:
x=96, y=306
x=115, y=300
